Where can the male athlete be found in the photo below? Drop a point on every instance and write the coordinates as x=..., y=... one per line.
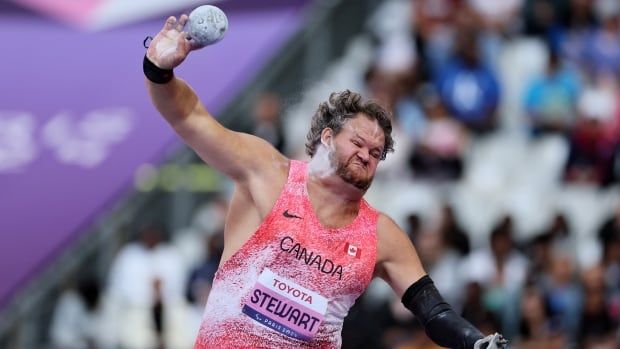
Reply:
x=301, y=243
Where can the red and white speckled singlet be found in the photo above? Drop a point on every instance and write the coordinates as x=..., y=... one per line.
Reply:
x=293, y=282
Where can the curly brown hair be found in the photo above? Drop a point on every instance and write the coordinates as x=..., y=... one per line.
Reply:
x=342, y=106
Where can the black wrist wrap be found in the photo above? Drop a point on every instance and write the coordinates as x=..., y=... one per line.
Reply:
x=440, y=322
x=156, y=74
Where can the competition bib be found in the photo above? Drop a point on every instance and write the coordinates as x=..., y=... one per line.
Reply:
x=285, y=306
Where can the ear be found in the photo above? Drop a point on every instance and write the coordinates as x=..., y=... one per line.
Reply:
x=326, y=136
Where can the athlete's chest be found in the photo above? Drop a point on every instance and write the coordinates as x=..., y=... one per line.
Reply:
x=338, y=259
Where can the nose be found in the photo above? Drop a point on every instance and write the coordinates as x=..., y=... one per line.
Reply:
x=364, y=155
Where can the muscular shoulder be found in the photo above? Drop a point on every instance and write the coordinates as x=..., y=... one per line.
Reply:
x=276, y=165
x=268, y=165
x=265, y=186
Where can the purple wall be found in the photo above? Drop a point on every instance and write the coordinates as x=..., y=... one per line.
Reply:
x=75, y=120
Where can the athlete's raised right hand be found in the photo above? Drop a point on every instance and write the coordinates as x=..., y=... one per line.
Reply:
x=170, y=46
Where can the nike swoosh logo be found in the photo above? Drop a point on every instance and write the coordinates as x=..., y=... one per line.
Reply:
x=289, y=215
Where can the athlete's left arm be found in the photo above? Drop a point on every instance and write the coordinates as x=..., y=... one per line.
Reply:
x=399, y=265
x=397, y=260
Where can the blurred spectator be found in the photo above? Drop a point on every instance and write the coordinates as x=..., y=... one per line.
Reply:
x=410, y=117
x=540, y=249
x=380, y=86
x=267, y=123
x=414, y=226
x=442, y=264
x=610, y=229
x=393, y=73
x=539, y=254
x=578, y=24
x=468, y=87
x=201, y=278
x=76, y=321
x=550, y=100
x=453, y=233
x=592, y=147
x=475, y=311
x=535, y=326
x=597, y=328
x=500, y=269
x=543, y=17
x=496, y=20
x=563, y=293
x=609, y=237
x=145, y=294
x=357, y=331
x=602, y=51
x=433, y=25
x=438, y=255
x=398, y=324
x=611, y=265
x=497, y=16
x=438, y=152
x=560, y=234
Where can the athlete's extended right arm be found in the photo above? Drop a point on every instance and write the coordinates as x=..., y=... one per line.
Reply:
x=233, y=153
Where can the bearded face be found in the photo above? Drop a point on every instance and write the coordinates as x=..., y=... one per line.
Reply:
x=355, y=152
x=351, y=170
x=352, y=154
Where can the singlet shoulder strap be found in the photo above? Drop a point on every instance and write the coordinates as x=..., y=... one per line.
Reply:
x=297, y=172
x=368, y=216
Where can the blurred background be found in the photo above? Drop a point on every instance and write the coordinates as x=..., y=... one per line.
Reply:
x=505, y=176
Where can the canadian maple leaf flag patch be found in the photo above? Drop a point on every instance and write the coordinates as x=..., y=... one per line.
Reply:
x=352, y=250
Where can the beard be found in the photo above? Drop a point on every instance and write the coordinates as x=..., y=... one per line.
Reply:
x=348, y=175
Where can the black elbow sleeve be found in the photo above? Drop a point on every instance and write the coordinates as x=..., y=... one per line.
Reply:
x=440, y=322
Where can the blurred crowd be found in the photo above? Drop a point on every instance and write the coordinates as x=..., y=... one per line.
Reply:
x=533, y=292
x=454, y=73
x=154, y=293
x=449, y=78
x=444, y=83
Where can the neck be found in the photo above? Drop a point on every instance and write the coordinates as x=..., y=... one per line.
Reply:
x=333, y=206
x=334, y=189
x=326, y=184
